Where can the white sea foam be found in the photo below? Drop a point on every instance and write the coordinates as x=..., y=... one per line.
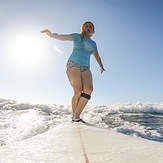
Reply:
x=19, y=121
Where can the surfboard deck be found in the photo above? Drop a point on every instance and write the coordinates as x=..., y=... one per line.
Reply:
x=80, y=143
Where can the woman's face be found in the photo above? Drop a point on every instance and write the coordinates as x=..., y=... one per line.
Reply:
x=89, y=29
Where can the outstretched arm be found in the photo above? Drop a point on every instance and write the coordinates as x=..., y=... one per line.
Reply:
x=58, y=36
x=98, y=59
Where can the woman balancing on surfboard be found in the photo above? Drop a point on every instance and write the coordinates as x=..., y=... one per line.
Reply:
x=78, y=65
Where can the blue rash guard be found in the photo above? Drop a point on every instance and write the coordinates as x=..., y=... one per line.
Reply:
x=82, y=50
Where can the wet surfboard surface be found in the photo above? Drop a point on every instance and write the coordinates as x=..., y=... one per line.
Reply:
x=82, y=143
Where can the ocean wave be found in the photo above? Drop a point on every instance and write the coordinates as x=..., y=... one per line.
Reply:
x=19, y=121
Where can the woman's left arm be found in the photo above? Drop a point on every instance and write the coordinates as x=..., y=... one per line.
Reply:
x=98, y=59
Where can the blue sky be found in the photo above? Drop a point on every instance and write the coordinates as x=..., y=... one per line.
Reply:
x=128, y=34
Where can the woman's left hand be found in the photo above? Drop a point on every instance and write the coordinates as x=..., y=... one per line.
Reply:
x=102, y=69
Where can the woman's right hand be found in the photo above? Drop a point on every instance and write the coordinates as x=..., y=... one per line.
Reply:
x=48, y=32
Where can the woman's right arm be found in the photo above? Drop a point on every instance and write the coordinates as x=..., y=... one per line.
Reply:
x=58, y=36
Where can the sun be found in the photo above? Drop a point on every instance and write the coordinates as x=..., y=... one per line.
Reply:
x=27, y=50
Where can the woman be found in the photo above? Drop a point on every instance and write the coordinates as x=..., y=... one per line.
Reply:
x=78, y=65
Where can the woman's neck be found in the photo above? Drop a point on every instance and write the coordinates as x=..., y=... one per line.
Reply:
x=88, y=35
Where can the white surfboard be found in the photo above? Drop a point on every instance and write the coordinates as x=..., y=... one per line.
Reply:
x=79, y=143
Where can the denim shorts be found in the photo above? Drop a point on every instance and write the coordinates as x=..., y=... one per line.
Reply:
x=71, y=64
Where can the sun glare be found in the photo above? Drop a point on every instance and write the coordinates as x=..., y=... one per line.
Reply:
x=27, y=50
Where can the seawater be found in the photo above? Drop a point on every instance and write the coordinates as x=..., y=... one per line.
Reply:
x=19, y=121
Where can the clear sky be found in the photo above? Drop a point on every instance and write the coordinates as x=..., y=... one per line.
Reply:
x=129, y=36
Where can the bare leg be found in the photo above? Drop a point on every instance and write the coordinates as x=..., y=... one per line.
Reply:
x=74, y=76
x=87, y=88
x=81, y=104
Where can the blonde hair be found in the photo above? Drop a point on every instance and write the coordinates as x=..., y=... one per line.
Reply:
x=82, y=29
